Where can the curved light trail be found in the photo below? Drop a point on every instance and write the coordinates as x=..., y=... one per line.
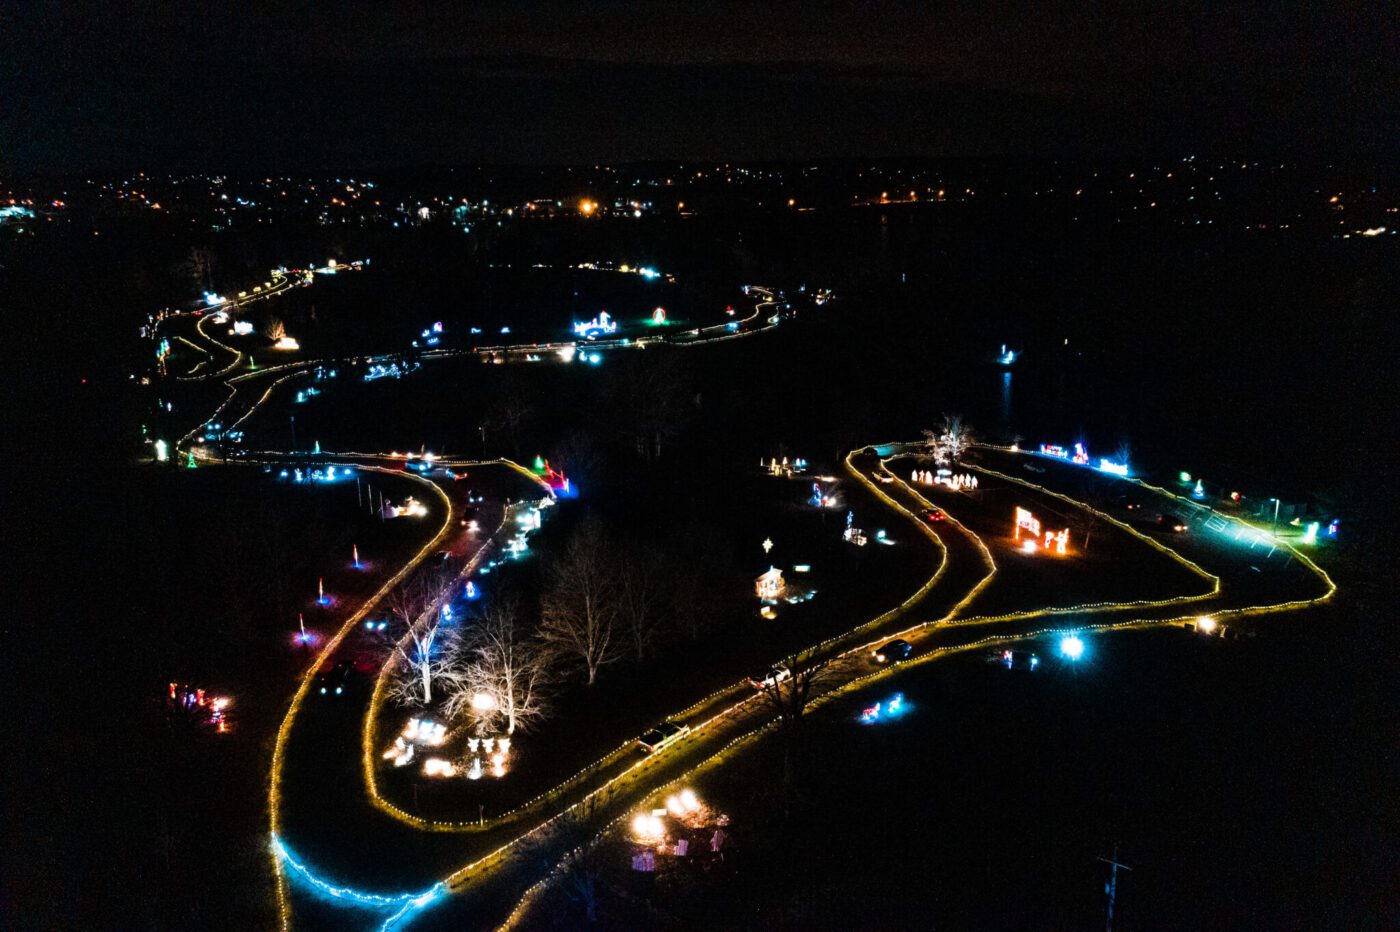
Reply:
x=729, y=718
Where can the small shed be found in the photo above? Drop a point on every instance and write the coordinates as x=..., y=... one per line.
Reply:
x=770, y=585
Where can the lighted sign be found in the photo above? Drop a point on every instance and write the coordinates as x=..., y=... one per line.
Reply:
x=1055, y=541
x=1048, y=449
x=603, y=323
x=1118, y=469
x=658, y=316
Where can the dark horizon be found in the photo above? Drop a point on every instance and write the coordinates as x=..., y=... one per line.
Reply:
x=547, y=85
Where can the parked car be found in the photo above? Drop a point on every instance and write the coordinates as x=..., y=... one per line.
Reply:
x=663, y=735
x=892, y=651
x=334, y=681
x=773, y=677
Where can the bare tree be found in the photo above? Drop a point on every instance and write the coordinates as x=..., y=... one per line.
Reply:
x=199, y=266
x=949, y=442
x=511, y=410
x=498, y=662
x=419, y=666
x=642, y=599
x=788, y=700
x=654, y=396
x=580, y=603
x=408, y=600
x=411, y=602
x=274, y=329
x=571, y=848
x=580, y=456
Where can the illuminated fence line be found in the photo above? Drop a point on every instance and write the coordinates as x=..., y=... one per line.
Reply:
x=407, y=902
x=463, y=873
x=274, y=798
x=1088, y=607
x=1227, y=518
x=368, y=733
x=633, y=771
x=943, y=651
x=280, y=284
x=611, y=758
x=477, y=825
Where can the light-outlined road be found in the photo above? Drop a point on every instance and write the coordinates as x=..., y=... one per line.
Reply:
x=338, y=842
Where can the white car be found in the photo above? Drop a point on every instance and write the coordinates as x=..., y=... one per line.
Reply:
x=773, y=677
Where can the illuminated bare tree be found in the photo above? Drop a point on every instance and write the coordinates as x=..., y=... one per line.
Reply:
x=411, y=603
x=499, y=674
x=274, y=329
x=408, y=600
x=949, y=442
x=579, y=608
x=418, y=667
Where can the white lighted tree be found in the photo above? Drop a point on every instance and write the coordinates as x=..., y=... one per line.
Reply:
x=949, y=442
x=418, y=666
x=498, y=674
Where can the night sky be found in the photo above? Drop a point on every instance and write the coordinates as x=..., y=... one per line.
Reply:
x=225, y=87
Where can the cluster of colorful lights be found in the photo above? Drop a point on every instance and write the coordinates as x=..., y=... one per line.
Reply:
x=884, y=711
x=1054, y=541
x=785, y=468
x=602, y=324
x=1329, y=594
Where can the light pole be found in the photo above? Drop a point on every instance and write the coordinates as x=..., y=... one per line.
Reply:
x=1276, y=504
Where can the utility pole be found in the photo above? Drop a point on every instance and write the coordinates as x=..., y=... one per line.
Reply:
x=1112, y=889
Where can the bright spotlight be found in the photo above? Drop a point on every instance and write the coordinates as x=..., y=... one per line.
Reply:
x=1072, y=647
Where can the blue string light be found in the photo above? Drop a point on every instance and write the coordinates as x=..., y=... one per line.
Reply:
x=407, y=902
